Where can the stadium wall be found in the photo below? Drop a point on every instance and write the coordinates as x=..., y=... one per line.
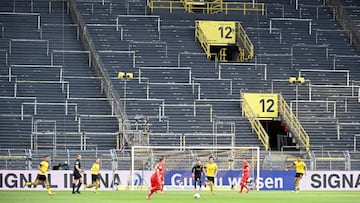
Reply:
x=181, y=180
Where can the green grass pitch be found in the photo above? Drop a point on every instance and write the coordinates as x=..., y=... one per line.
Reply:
x=181, y=197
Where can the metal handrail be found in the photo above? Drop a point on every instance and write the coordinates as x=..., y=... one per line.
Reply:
x=255, y=124
x=101, y=71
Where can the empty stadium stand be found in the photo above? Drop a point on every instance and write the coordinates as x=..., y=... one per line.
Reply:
x=52, y=97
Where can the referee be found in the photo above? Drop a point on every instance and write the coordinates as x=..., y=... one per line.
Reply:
x=77, y=178
x=196, y=171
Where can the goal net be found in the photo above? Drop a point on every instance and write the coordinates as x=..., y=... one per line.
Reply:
x=180, y=160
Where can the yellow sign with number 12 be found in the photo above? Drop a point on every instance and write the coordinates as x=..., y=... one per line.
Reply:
x=263, y=105
x=219, y=32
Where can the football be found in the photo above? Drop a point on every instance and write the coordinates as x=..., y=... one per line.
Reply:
x=197, y=196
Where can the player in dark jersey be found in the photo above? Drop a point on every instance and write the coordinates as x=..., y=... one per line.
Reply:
x=196, y=171
x=77, y=178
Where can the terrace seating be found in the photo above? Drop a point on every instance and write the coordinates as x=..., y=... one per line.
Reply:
x=50, y=96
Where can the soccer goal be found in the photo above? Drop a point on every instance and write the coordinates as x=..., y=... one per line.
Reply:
x=179, y=161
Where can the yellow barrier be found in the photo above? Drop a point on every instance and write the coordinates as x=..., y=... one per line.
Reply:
x=202, y=39
x=13, y=157
x=293, y=122
x=208, y=7
x=245, y=44
x=223, y=34
x=255, y=124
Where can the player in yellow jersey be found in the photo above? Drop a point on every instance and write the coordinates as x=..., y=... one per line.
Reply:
x=300, y=168
x=95, y=172
x=210, y=170
x=41, y=177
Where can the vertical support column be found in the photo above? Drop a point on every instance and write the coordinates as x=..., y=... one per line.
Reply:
x=15, y=89
x=134, y=59
x=10, y=46
x=265, y=72
x=117, y=23
x=35, y=107
x=190, y=75
x=68, y=90
x=52, y=58
x=31, y=6
x=14, y=6
x=327, y=53
x=22, y=111
x=49, y=7
x=159, y=28
x=41, y=33
x=110, y=8
x=121, y=33
x=89, y=61
x=199, y=91
x=32, y=134
x=179, y=59
x=10, y=76
x=47, y=48
x=147, y=90
x=125, y=81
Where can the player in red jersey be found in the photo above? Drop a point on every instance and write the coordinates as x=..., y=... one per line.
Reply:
x=156, y=177
x=162, y=179
x=245, y=176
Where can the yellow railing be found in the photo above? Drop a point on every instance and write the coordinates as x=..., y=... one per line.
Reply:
x=207, y=7
x=256, y=125
x=293, y=123
x=202, y=39
x=222, y=55
x=244, y=43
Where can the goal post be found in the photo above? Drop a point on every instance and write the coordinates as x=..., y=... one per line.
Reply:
x=180, y=159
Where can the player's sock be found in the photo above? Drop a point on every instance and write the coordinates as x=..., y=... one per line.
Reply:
x=162, y=188
x=211, y=188
x=73, y=187
x=151, y=192
x=246, y=187
x=48, y=189
x=31, y=183
x=96, y=187
x=297, y=185
x=78, y=187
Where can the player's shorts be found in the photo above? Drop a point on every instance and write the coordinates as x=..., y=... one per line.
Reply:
x=41, y=177
x=155, y=182
x=210, y=179
x=94, y=177
x=299, y=175
x=77, y=175
x=197, y=178
x=245, y=178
